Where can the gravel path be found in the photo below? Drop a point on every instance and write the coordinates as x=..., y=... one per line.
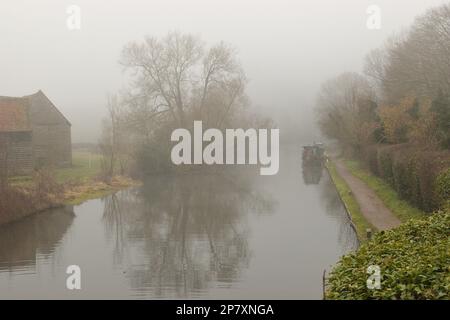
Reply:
x=372, y=208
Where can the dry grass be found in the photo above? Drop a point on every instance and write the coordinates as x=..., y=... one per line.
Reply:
x=18, y=202
x=78, y=193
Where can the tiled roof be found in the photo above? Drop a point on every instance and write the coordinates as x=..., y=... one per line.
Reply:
x=14, y=115
x=35, y=96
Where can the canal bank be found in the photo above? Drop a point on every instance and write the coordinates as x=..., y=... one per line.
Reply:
x=19, y=202
x=77, y=194
x=370, y=201
x=46, y=189
x=410, y=248
x=359, y=224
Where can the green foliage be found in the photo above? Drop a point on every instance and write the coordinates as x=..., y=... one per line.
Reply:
x=401, y=183
x=370, y=157
x=414, y=261
x=153, y=156
x=406, y=168
x=441, y=107
x=384, y=164
x=414, y=111
x=443, y=188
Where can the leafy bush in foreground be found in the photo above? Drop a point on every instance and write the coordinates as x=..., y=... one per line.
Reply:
x=414, y=261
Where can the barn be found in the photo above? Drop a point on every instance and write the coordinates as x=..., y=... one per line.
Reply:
x=33, y=134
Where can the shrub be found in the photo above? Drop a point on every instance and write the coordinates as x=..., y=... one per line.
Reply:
x=371, y=158
x=414, y=262
x=406, y=168
x=443, y=188
x=411, y=171
x=400, y=173
x=19, y=202
x=385, y=162
x=14, y=204
x=433, y=164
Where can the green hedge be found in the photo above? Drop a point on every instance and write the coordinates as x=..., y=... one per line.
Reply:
x=412, y=172
x=371, y=158
x=384, y=165
x=443, y=188
x=414, y=261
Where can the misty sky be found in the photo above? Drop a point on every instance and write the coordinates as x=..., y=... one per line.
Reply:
x=287, y=48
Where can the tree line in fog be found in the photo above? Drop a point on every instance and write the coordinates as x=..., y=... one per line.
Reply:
x=173, y=81
x=403, y=94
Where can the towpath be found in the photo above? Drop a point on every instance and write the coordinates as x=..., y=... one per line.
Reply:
x=372, y=208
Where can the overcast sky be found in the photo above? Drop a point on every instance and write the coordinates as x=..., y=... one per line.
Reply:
x=287, y=47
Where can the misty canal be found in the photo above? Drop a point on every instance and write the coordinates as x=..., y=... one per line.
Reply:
x=213, y=236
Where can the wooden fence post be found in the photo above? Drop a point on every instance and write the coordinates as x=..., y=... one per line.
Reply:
x=369, y=233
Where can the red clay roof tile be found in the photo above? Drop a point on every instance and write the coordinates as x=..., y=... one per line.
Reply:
x=14, y=115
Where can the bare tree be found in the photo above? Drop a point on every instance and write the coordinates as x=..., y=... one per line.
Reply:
x=346, y=110
x=416, y=62
x=176, y=78
x=110, y=142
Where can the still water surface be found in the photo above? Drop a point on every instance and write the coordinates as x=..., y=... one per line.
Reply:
x=212, y=236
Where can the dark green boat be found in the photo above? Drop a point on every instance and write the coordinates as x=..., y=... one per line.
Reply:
x=313, y=154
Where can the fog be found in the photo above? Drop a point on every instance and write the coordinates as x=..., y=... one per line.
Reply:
x=287, y=48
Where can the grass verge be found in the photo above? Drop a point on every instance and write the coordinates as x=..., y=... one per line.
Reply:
x=400, y=208
x=352, y=206
x=85, y=167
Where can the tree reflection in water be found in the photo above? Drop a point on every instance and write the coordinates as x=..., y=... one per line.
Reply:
x=190, y=230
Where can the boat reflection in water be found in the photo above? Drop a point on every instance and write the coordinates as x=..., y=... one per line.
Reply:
x=312, y=172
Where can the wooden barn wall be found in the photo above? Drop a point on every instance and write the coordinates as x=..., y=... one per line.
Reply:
x=16, y=153
x=51, y=134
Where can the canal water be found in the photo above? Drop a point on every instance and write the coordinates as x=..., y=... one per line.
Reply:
x=213, y=235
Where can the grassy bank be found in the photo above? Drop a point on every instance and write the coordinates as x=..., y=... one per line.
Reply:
x=90, y=189
x=352, y=206
x=401, y=208
x=51, y=188
x=81, y=180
